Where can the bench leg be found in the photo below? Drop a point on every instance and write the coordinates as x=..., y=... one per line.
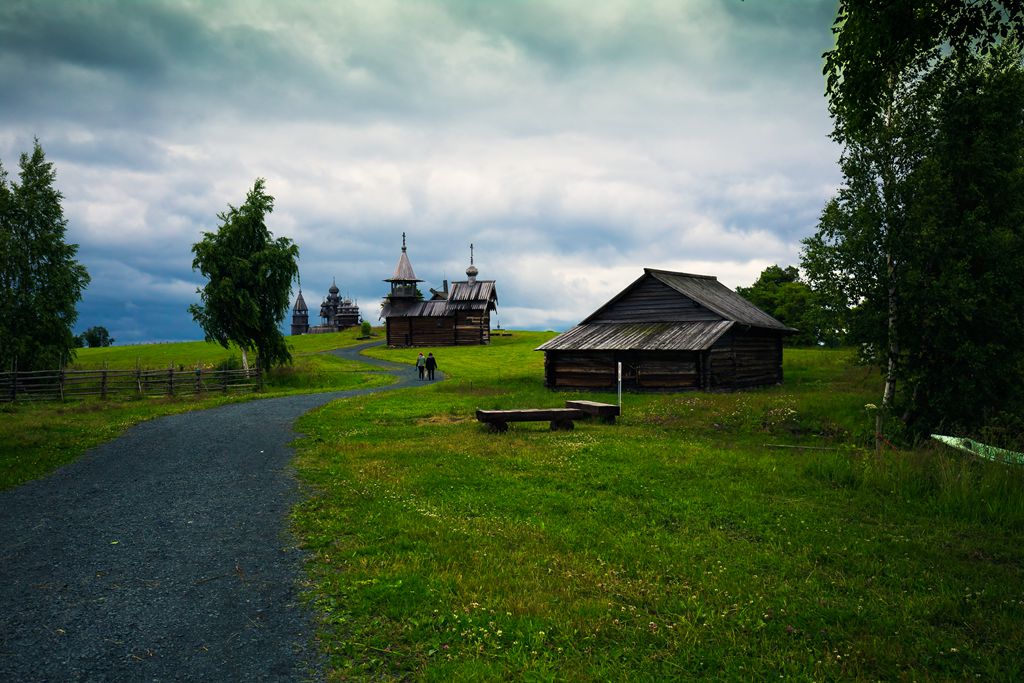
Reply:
x=497, y=426
x=565, y=425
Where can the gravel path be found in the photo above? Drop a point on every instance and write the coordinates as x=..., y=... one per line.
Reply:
x=164, y=554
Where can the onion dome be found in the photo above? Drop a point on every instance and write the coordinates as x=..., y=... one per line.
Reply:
x=472, y=271
x=334, y=287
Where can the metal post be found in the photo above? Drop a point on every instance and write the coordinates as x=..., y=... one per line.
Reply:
x=620, y=386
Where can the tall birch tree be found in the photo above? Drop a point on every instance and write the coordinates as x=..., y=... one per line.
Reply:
x=249, y=277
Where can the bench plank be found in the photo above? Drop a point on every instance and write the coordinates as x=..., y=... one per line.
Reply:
x=594, y=408
x=530, y=415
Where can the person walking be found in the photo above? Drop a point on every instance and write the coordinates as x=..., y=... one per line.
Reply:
x=421, y=364
x=431, y=365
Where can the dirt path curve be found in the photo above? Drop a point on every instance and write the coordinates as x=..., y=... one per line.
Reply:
x=164, y=554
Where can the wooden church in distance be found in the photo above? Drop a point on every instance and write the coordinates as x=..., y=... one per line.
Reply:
x=671, y=332
x=337, y=313
x=456, y=316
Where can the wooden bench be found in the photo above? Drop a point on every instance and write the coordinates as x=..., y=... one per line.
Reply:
x=560, y=418
x=607, y=412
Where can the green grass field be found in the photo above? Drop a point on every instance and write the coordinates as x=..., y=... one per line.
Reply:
x=36, y=438
x=673, y=545
x=680, y=543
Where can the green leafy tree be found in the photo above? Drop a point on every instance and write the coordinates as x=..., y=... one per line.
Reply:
x=96, y=337
x=879, y=40
x=962, y=358
x=40, y=280
x=884, y=49
x=249, y=279
x=899, y=247
x=781, y=293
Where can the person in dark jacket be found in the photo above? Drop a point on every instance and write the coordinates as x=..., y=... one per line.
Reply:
x=431, y=365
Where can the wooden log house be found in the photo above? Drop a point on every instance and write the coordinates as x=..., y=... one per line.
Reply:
x=457, y=316
x=671, y=332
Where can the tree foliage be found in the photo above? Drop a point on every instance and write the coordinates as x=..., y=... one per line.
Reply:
x=249, y=277
x=40, y=280
x=878, y=41
x=963, y=360
x=96, y=337
x=781, y=293
x=924, y=243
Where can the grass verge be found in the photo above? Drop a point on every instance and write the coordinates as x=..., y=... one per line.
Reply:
x=37, y=438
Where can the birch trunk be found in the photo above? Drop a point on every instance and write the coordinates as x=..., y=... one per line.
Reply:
x=892, y=353
x=245, y=362
x=889, y=176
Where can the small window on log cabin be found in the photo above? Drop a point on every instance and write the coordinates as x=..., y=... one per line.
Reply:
x=440, y=323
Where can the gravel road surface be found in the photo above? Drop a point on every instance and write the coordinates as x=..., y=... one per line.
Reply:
x=164, y=555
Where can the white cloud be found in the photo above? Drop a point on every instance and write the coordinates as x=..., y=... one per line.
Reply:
x=573, y=143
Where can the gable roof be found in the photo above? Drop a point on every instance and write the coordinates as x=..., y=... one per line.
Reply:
x=705, y=291
x=476, y=295
x=463, y=296
x=709, y=292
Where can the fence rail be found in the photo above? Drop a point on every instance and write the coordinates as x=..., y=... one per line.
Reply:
x=59, y=385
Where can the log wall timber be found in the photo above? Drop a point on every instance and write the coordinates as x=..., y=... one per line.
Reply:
x=462, y=329
x=737, y=361
x=746, y=359
x=641, y=370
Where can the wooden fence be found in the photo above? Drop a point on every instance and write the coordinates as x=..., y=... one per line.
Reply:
x=59, y=385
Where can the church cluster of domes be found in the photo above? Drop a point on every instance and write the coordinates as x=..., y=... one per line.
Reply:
x=337, y=313
x=453, y=316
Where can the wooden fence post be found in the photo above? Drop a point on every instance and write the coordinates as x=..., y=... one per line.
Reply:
x=103, y=382
x=14, y=382
x=60, y=383
x=138, y=375
x=223, y=380
x=199, y=380
x=170, y=379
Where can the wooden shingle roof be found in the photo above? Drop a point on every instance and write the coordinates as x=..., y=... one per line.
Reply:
x=692, y=336
x=463, y=296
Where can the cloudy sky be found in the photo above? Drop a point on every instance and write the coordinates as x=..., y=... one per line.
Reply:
x=573, y=142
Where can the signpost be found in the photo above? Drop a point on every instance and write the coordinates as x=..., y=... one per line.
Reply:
x=620, y=386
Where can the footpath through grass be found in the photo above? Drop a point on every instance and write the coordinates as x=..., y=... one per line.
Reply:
x=37, y=438
x=673, y=545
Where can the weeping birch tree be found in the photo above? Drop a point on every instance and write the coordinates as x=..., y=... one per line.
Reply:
x=249, y=277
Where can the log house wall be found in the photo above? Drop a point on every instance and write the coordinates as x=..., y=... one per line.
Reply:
x=641, y=370
x=462, y=329
x=737, y=361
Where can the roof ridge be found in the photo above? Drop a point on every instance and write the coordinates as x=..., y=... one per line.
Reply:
x=651, y=271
